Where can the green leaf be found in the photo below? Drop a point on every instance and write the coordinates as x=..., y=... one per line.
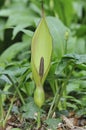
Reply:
x=52, y=123
x=81, y=112
x=57, y=30
x=80, y=46
x=14, y=50
x=5, y=12
x=72, y=105
x=5, y=92
x=72, y=87
x=60, y=67
x=78, y=7
x=4, y=78
x=81, y=31
x=64, y=9
x=2, y=26
x=22, y=17
x=28, y=88
x=79, y=59
x=29, y=110
x=19, y=28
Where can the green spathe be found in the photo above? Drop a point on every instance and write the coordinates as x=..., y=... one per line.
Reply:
x=41, y=47
x=41, y=50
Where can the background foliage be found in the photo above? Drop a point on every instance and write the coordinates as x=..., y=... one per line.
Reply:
x=18, y=21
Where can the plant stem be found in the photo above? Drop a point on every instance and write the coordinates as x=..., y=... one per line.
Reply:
x=65, y=91
x=1, y=111
x=8, y=112
x=62, y=90
x=64, y=95
x=53, y=102
x=42, y=7
x=58, y=96
x=38, y=119
x=66, y=47
x=66, y=40
x=21, y=98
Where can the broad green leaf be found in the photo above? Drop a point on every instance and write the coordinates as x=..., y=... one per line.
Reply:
x=60, y=67
x=12, y=51
x=28, y=88
x=78, y=7
x=20, y=20
x=29, y=110
x=64, y=10
x=81, y=112
x=57, y=30
x=4, y=93
x=81, y=31
x=4, y=78
x=72, y=105
x=21, y=27
x=52, y=123
x=78, y=59
x=73, y=86
x=2, y=26
x=19, y=15
x=27, y=32
x=80, y=46
x=5, y=12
